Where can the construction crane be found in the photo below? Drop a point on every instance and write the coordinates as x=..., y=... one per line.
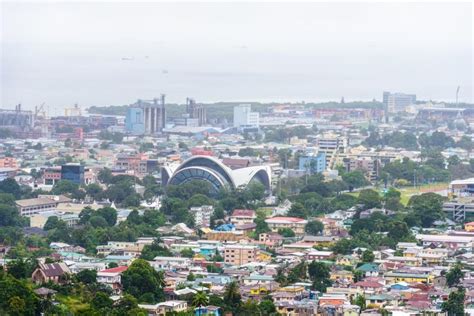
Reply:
x=39, y=111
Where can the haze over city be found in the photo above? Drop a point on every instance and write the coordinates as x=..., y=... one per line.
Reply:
x=105, y=53
x=236, y=158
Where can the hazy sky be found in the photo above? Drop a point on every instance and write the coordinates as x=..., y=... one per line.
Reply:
x=63, y=53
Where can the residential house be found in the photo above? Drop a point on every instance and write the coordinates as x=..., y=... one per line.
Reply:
x=369, y=269
x=50, y=272
x=112, y=277
x=164, y=308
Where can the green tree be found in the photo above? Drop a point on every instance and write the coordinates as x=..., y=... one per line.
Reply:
x=17, y=297
x=191, y=277
x=319, y=273
x=87, y=276
x=298, y=273
x=232, y=297
x=134, y=218
x=298, y=210
x=359, y=300
x=10, y=186
x=314, y=227
x=286, y=232
x=105, y=176
x=65, y=187
x=250, y=308
x=454, y=306
x=9, y=216
x=132, y=200
x=51, y=223
x=109, y=214
x=343, y=247
x=454, y=161
x=398, y=230
x=149, y=252
x=101, y=301
x=454, y=275
x=199, y=200
x=141, y=278
x=427, y=207
x=94, y=190
x=85, y=215
x=214, y=268
x=200, y=299
x=187, y=253
x=262, y=226
x=267, y=307
x=128, y=305
x=369, y=198
x=60, y=233
x=98, y=221
x=465, y=143
x=355, y=179
x=368, y=256
x=21, y=268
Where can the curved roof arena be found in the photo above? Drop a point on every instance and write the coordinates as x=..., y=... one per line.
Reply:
x=212, y=170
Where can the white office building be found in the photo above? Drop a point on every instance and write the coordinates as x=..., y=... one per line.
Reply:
x=243, y=116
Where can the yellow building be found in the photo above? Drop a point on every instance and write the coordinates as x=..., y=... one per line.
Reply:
x=281, y=222
x=394, y=277
x=259, y=290
x=469, y=227
x=264, y=256
x=346, y=260
x=342, y=275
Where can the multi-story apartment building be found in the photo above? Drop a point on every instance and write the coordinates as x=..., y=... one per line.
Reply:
x=40, y=204
x=313, y=163
x=294, y=223
x=241, y=217
x=76, y=173
x=8, y=162
x=73, y=173
x=370, y=167
x=240, y=254
x=139, y=164
x=244, y=117
x=332, y=145
x=51, y=175
x=6, y=173
x=397, y=101
x=202, y=215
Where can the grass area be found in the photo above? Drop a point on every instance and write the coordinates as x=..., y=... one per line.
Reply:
x=73, y=303
x=267, y=210
x=408, y=192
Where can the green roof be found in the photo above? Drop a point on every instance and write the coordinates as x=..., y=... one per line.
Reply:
x=368, y=267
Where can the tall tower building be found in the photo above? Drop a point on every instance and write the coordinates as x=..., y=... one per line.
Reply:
x=196, y=111
x=244, y=117
x=146, y=116
x=394, y=102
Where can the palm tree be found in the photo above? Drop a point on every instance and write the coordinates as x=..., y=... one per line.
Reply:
x=200, y=299
x=160, y=277
x=232, y=296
